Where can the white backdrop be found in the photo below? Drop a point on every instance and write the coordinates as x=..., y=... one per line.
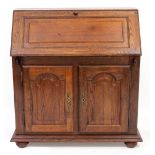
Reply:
x=146, y=111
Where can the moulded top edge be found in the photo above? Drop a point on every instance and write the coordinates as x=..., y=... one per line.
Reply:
x=83, y=9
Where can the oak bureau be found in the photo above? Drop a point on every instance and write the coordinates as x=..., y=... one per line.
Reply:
x=76, y=75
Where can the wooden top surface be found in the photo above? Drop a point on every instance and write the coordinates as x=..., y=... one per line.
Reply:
x=75, y=33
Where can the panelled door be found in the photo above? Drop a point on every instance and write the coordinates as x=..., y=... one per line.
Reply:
x=104, y=99
x=48, y=98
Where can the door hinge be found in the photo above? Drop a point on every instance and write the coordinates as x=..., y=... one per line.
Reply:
x=31, y=108
x=24, y=119
x=21, y=77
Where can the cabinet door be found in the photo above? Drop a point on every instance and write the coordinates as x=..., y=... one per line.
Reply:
x=104, y=98
x=48, y=98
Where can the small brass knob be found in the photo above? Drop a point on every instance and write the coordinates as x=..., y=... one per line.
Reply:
x=75, y=13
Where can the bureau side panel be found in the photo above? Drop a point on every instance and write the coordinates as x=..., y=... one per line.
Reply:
x=134, y=90
x=18, y=96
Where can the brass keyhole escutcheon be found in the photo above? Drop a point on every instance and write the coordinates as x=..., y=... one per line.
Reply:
x=69, y=102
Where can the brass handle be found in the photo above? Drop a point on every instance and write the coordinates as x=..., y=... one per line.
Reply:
x=69, y=102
